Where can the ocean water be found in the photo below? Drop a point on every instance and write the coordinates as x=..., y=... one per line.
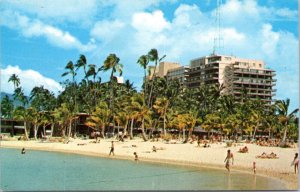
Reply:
x=39, y=170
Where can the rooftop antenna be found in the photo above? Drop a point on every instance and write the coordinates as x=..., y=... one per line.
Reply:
x=217, y=38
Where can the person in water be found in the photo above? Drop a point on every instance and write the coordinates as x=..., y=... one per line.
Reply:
x=23, y=151
x=136, y=158
x=228, y=160
x=112, y=149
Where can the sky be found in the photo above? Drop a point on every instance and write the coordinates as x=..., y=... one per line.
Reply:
x=39, y=37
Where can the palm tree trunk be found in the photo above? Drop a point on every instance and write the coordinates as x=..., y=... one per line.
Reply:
x=152, y=84
x=52, y=129
x=145, y=86
x=70, y=128
x=254, y=133
x=125, y=130
x=282, y=143
x=143, y=130
x=111, y=91
x=63, y=131
x=35, y=131
x=94, y=89
x=188, y=136
x=25, y=130
x=118, y=130
x=165, y=133
x=44, y=129
x=102, y=131
x=131, y=129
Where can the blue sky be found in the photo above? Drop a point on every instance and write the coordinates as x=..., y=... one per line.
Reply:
x=38, y=37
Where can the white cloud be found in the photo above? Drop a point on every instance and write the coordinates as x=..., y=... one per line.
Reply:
x=150, y=22
x=106, y=30
x=270, y=40
x=35, y=28
x=185, y=15
x=56, y=10
x=28, y=79
x=287, y=13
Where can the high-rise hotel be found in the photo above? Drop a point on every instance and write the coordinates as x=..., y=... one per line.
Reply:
x=235, y=74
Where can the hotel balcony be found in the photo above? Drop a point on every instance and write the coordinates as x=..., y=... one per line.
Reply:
x=254, y=72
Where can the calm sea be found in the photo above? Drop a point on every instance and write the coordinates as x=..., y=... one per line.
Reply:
x=39, y=170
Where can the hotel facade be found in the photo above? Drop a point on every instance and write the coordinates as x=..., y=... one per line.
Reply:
x=237, y=75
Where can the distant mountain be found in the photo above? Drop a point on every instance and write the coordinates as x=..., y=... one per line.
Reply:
x=11, y=97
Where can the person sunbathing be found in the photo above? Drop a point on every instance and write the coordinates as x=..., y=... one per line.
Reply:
x=206, y=145
x=272, y=156
x=243, y=150
x=153, y=149
x=262, y=156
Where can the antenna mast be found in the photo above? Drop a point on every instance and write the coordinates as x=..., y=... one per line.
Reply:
x=218, y=38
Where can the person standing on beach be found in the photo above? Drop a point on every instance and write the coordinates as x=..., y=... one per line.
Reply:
x=295, y=163
x=254, y=167
x=112, y=148
x=228, y=160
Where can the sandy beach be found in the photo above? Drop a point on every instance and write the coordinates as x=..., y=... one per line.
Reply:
x=181, y=154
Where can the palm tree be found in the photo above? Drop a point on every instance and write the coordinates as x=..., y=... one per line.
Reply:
x=7, y=107
x=284, y=116
x=15, y=80
x=93, y=71
x=191, y=122
x=257, y=118
x=42, y=99
x=143, y=61
x=71, y=71
x=99, y=118
x=35, y=119
x=65, y=117
x=20, y=113
x=81, y=62
x=161, y=105
x=138, y=111
x=212, y=121
x=112, y=63
x=19, y=95
x=182, y=123
x=153, y=56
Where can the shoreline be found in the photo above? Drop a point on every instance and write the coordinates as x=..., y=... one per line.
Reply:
x=289, y=179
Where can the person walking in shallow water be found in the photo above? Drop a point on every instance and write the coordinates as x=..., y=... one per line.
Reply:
x=112, y=149
x=228, y=160
x=23, y=151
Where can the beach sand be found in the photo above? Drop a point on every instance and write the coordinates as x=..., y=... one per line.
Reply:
x=181, y=154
